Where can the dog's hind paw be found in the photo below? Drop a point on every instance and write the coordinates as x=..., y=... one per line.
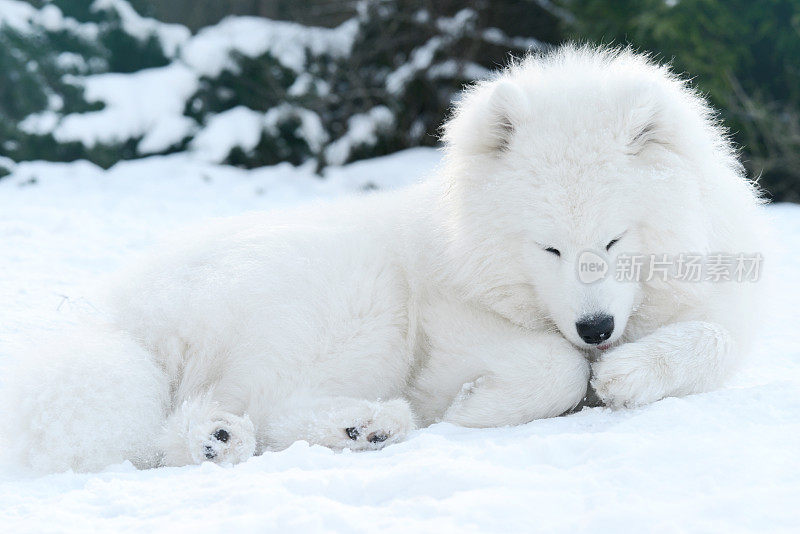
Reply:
x=216, y=443
x=373, y=425
x=198, y=431
x=226, y=441
x=342, y=423
x=375, y=433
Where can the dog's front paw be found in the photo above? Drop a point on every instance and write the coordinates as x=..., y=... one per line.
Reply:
x=229, y=440
x=628, y=376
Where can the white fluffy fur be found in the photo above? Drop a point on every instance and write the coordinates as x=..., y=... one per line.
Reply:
x=364, y=317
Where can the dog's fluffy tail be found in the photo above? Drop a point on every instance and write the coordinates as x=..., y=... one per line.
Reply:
x=84, y=402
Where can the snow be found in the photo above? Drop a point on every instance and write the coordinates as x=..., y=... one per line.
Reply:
x=242, y=127
x=310, y=129
x=209, y=52
x=51, y=18
x=70, y=60
x=451, y=68
x=40, y=123
x=496, y=36
x=455, y=25
x=22, y=16
x=17, y=14
x=239, y=126
x=724, y=461
x=147, y=103
x=362, y=128
x=421, y=59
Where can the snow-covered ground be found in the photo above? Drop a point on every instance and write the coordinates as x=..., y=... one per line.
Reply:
x=725, y=461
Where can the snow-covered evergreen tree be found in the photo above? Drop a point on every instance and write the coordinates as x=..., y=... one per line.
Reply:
x=96, y=80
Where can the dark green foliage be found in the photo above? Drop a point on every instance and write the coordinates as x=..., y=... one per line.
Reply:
x=125, y=53
x=29, y=73
x=82, y=9
x=77, y=9
x=257, y=83
x=743, y=54
x=199, y=13
x=20, y=146
x=274, y=147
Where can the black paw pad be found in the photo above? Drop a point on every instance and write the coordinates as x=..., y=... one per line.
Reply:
x=210, y=452
x=222, y=435
x=352, y=433
x=377, y=437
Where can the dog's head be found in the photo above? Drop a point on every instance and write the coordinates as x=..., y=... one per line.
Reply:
x=561, y=169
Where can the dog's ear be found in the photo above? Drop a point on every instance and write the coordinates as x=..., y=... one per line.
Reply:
x=485, y=120
x=646, y=128
x=506, y=104
x=645, y=135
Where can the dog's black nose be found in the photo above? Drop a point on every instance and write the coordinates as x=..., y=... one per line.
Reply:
x=595, y=329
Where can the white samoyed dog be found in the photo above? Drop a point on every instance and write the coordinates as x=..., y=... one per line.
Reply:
x=348, y=324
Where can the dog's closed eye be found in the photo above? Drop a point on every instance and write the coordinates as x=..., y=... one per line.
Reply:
x=614, y=241
x=553, y=251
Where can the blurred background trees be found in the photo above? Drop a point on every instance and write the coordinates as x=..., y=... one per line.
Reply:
x=408, y=59
x=198, y=13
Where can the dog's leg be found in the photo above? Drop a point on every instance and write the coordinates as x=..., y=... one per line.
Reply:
x=201, y=430
x=531, y=378
x=340, y=423
x=677, y=359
